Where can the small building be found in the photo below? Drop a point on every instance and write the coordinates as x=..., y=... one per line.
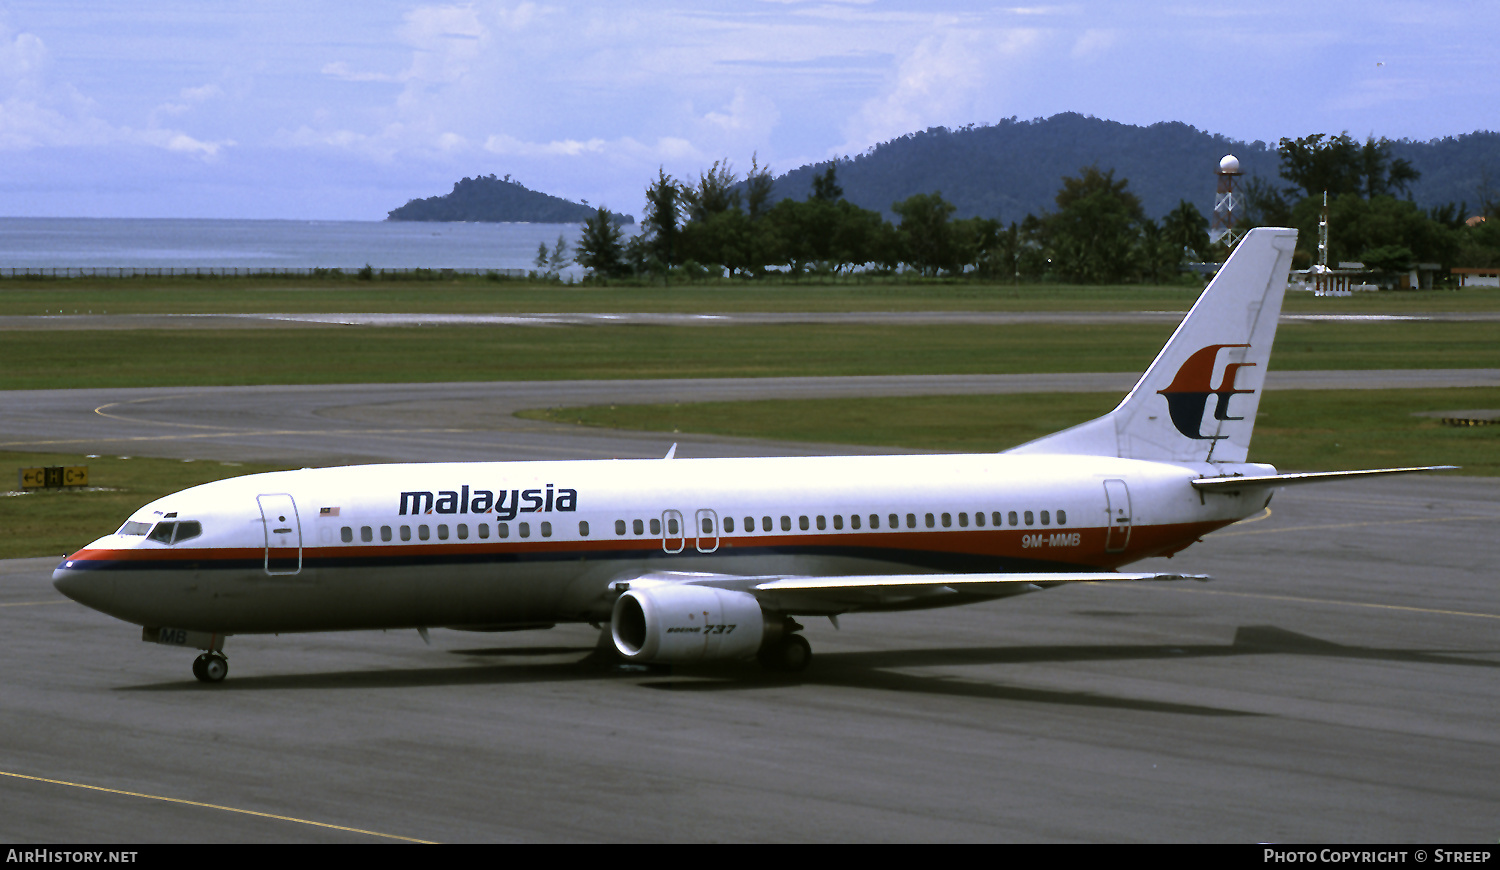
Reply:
x=1471, y=277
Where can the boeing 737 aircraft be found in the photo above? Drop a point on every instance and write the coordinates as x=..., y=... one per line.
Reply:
x=690, y=560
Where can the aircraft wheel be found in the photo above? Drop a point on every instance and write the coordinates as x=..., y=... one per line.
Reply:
x=211, y=668
x=790, y=655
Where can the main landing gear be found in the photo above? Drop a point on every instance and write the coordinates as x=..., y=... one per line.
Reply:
x=211, y=667
x=789, y=654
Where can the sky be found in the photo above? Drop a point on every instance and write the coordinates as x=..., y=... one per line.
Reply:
x=342, y=110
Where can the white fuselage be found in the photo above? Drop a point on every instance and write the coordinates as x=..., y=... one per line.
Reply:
x=495, y=544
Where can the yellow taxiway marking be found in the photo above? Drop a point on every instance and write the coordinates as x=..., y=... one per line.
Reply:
x=32, y=603
x=212, y=807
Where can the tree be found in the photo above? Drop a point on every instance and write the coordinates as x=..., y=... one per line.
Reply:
x=926, y=237
x=559, y=257
x=1339, y=165
x=1186, y=229
x=541, y=257
x=1094, y=232
x=599, y=249
x=826, y=188
x=662, y=225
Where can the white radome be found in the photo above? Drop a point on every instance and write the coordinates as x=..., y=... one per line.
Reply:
x=1229, y=164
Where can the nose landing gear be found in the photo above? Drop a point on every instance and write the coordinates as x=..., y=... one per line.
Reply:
x=211, y=667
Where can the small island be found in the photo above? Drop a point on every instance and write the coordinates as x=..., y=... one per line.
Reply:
x=495, y=200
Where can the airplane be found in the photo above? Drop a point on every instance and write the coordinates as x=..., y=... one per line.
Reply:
x=698, y=560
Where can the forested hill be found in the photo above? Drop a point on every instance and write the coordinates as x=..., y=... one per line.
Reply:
x=1015, y=168
x=487, y=198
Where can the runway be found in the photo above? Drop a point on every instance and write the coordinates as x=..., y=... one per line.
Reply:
x=1339, y=681
x=328, y=424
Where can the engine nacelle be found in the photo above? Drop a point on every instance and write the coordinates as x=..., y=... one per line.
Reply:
x=687, y=623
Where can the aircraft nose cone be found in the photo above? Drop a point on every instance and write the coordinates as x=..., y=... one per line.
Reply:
x=85, y=587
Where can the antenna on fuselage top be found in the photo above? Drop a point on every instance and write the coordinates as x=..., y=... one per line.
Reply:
x=672, y=452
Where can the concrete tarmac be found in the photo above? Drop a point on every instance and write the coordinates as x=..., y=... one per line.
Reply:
x=1339, y=681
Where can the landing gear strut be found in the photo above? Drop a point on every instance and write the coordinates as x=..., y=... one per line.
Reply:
x=211, y=667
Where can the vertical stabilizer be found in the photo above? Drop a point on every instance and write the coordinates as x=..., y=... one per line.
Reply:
x=1197, y=401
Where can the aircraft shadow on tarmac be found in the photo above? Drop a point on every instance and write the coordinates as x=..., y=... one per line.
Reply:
x=875, y=670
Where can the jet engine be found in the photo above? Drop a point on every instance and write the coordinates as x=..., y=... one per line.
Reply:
x=689, y=623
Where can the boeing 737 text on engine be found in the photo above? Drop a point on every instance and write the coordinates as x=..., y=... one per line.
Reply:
x=690, y=560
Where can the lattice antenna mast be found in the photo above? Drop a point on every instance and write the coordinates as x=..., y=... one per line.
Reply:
x=1323, y=236
x=1226, y=203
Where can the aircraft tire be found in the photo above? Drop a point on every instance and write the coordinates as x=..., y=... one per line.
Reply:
x=791, y=655
x=213, y=668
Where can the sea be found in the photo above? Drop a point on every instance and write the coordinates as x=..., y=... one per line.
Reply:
x=100, y=245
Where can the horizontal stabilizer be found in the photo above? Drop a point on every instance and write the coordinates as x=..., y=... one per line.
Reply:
x=1228, y=484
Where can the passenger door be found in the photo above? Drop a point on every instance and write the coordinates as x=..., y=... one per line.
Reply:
x=283, y=533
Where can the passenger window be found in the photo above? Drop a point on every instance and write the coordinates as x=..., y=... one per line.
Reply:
x=895, y=521
x=930, y=522
x=524, y=529
x=346, y=535
x=640, y=529
x=406, y=533
x=484, y=530
x=838, y=521
x=442, y=531
x=502, y=530
x=765, y=524
x=728, y=525
x=911, y=521
x=978, y=519
x=802, y=523
x=822, y=523
x=1062, y=517
x=655, y=526
x=583, y=528
x=854, y=521
x=996, y=520
x=1046, y=519
x=786, y=523
x=546, y=529
x=463, y=531
x=1013, y=519
x=619, y=527
x=708, y=526
x=672, y=526
x=423, y=532
x=1028, y=518
x=874, y=521
x=385, y=533
x=947, y=521
x=366, y=534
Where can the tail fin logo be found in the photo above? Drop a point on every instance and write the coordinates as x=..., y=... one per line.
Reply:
x=1187, y=396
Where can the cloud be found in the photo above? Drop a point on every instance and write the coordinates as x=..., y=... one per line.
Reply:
x=937, y=82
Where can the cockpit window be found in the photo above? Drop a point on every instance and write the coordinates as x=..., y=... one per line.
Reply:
x=134, y=527
x=175, y=532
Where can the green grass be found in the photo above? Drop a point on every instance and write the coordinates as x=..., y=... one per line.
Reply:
x=476, y=295
x=310, y=355
x=58, y=522
x=1296, y=429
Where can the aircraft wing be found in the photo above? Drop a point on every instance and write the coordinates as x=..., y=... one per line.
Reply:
x=840, y=594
